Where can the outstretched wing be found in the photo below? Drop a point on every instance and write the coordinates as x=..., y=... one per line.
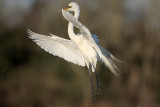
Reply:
x=57, y=46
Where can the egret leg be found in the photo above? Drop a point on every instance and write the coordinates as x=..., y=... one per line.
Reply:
x=93, y=94
x=98, y=86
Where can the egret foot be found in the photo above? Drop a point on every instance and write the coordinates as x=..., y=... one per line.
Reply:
x=94, y=97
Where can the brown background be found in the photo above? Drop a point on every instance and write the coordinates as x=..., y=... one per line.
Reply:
x=31, y=77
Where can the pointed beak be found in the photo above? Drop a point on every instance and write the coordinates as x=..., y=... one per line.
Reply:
x=63, y=9
x=66, y=9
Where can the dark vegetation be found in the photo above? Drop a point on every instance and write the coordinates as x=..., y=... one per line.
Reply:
x=31, y=77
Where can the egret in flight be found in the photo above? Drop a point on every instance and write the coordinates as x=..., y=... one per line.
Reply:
x=83, y=48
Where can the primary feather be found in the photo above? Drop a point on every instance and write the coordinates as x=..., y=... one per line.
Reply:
x=57, y=46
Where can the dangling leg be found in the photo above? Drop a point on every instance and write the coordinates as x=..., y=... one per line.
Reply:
x=93, y=94
x=98, y=86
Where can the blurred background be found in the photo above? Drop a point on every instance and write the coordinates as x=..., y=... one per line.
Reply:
x=31, y=77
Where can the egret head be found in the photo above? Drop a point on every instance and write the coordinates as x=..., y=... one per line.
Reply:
x=73, y=6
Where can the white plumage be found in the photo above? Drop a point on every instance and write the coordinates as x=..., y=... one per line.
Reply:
x=103, y=54
x=83, y=48
x=57, y=46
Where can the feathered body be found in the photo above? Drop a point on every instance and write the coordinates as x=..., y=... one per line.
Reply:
x=83, y=49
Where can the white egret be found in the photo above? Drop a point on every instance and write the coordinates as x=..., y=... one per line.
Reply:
x=83, y=48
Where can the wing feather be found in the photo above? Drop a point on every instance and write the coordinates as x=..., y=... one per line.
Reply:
x=57, y=46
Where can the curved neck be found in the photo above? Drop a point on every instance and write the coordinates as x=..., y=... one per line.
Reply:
x=77, y=13
x=71, y=33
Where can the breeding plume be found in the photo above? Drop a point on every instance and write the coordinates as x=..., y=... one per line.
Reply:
x=83, y=48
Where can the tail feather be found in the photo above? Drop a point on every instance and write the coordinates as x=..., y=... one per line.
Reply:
x=108, y=63
x=109, y=54
x=107, y=58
